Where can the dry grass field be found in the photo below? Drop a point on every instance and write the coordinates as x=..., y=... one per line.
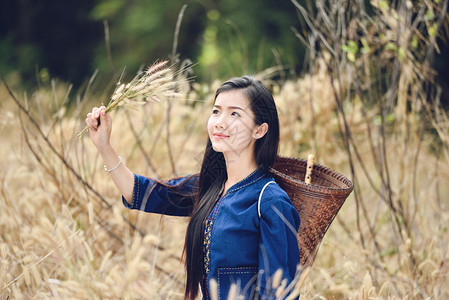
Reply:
x=367, y=107
x=64, y=233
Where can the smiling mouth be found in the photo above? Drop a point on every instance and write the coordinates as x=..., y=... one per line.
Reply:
x=219, y=136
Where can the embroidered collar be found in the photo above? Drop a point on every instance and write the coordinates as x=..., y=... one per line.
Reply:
x=250, y=179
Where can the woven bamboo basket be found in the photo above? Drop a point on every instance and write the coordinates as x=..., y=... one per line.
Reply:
x=317, y=203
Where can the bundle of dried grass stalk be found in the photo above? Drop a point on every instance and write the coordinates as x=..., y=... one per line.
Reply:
x=152, y=85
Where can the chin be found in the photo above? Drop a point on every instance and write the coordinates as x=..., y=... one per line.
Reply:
x=222, y=147
x=217, y=148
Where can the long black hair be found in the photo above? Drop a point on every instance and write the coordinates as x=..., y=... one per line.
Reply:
x=213, y=173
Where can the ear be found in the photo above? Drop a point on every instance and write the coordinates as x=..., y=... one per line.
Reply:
x=260, y=131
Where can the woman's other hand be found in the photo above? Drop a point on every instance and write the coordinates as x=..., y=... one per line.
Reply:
x=100, y=126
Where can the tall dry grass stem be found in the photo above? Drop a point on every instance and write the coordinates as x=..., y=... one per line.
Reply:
x=381, y=62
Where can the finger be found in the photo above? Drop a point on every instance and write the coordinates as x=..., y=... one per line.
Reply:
x=89, y=123
x=91, y=116
x=104, y=118
x=92, y=122
x=95, y=112
x=92, y=119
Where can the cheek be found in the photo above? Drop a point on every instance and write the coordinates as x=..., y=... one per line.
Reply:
x=210, y=126
x=242, y=127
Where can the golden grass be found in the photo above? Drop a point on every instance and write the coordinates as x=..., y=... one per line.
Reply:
x=60, y=239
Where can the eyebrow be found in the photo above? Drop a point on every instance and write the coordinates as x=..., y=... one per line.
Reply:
x=230, y=107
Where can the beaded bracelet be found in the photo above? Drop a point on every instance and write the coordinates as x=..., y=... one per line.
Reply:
x=110, y=170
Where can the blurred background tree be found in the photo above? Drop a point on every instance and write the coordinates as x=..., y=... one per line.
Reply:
x=48, y=38
x=66, y=39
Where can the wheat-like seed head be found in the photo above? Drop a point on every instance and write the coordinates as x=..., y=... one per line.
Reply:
x=156, y=83
x=277, y=277
x=213, y=289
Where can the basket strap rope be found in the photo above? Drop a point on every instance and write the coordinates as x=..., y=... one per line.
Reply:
x=260, y=196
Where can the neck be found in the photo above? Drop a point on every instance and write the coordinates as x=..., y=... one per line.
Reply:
x=238, y=166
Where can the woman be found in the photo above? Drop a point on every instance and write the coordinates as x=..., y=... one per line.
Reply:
x=226, y=240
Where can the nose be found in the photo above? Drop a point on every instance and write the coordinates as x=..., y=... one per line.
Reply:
x=221, y=122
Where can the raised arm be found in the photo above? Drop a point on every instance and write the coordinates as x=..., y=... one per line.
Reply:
x=100, y=133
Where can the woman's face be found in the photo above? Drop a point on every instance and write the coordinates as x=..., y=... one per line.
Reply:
x=231, y=126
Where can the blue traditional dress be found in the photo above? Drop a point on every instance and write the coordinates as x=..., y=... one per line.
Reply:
x=239, y=246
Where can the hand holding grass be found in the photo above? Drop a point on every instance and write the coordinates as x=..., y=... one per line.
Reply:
x=149, y=86
x=152, y=85
x=100, y=125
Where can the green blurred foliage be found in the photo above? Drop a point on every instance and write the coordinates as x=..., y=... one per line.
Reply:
x=142, y=31
x=66, y=39
x=246, y=36
x=47, y=34
x=226, y=38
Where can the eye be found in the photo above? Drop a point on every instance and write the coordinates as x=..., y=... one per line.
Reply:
x=215, y=111
x=236, y=114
